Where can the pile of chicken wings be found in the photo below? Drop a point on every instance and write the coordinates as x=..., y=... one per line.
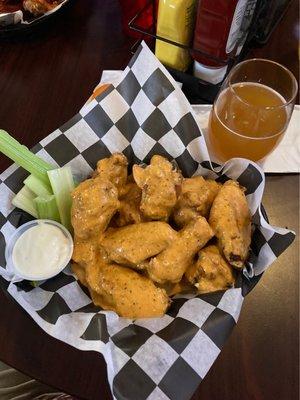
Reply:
x=141, y=238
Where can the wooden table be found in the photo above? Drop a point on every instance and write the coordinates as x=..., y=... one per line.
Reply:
x=44, y=79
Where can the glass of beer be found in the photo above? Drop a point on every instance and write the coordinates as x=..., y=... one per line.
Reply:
x=252, y=110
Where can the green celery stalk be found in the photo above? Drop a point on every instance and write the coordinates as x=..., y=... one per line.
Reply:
x=24, y=200
x=37, y=186
x=24, y=157
x=62, y=184
x=46, y=207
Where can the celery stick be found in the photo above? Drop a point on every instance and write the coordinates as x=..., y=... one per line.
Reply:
x=47, y=208
x=25, y=201
x=62, y=184
x=24, y=157
x=37, y=186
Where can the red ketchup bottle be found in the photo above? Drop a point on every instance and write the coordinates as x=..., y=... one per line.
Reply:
x=129, y=9
x=221, y=30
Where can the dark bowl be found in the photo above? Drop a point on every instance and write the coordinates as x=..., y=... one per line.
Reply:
x=21, y=29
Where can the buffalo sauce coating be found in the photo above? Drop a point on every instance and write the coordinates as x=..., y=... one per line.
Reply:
x=158, y=182
x=131, y=259
x=129, y=210
x=94, y=203
x=171, y=264
x=132, y=244
x=124, y=291
x=211, y=272
x=112, y=287
x=195, y=199
x=113, y=169
x=231, y=220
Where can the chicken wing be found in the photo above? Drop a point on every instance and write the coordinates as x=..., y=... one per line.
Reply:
x=184, y=286
x=171, y=264
x=158, y=182
x=39, y=7
x=211, y=272
x=129, y=211
x=195, y=199
x=95, y=201
x=132, y=244
x=230, y=218
x=113, y=169
x=79, y=271
x=84, y=251
x=125, y=291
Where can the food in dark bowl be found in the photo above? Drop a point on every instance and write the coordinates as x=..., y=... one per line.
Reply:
x=34, y=7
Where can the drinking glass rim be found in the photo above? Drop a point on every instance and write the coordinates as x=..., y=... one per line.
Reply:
x=230, y=85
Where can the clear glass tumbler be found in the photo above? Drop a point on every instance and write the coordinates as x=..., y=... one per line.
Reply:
x=252, y=110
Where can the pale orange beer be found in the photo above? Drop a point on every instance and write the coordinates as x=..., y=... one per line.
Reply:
x=250, y=116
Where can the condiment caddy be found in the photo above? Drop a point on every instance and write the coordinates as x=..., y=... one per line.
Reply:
x=199, y=42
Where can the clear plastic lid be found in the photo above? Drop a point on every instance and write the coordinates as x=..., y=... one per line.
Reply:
x=19, y=232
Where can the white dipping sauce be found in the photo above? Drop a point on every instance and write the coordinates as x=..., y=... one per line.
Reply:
x=40, y=251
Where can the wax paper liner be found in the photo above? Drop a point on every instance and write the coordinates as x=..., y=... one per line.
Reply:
x=143, y=114
x=18, y=16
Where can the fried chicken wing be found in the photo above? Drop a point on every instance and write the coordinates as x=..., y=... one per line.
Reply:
x=39, y=7
x=132, y=244
x=79, y=271
x=195, y=199
x=84, y=251
x=158, y=182
x=211, y=272
x=94, y=203
x=115, y=235
x=184, y=286
x=125, y=291
x=113, y=169
x=171, y=264
x=230, y=218
x=129, y=211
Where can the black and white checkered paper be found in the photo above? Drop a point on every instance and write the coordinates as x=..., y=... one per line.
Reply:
x=145, y=113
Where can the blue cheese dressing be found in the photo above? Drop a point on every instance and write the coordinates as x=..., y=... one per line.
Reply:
x=41, y=251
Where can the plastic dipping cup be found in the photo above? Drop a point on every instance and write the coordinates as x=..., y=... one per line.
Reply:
x=59, y=260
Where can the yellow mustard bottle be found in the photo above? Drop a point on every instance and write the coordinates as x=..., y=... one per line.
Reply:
x=175, y=21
